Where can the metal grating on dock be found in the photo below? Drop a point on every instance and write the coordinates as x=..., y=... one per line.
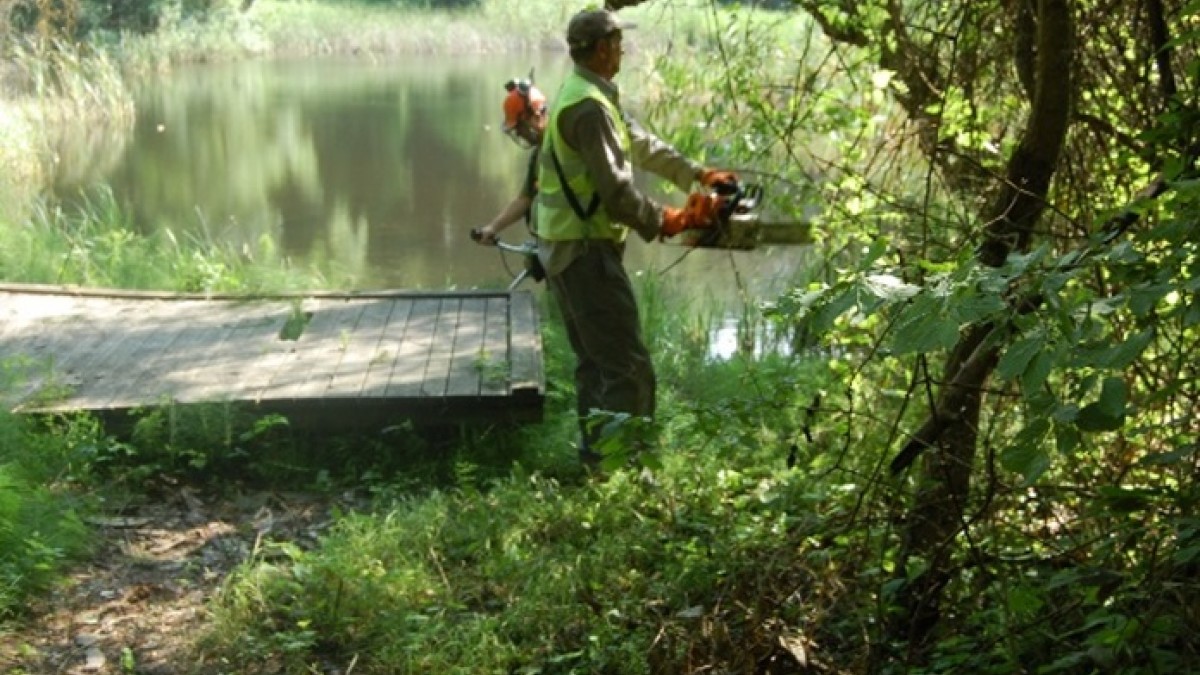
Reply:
x=324, y=358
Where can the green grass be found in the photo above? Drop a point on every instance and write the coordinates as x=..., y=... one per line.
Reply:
x=93, y=244
x=47, y=85
x=41, y=507
x=317, y=29
x=532, y=575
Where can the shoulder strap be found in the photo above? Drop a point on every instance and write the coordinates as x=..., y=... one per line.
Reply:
x=570, y=194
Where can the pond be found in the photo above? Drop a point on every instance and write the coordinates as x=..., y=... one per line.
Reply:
x=378, y=169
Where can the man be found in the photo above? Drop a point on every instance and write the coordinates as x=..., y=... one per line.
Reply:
x=586, y=205
x=524, y=122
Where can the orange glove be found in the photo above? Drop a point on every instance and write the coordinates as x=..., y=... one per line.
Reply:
x=675, y=221
x=711, y=178
x=700, y=212
x=704, y=210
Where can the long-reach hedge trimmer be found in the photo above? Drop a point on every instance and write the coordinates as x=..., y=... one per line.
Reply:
x=531, y=265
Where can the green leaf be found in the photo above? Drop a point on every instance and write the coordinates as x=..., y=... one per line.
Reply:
x=1172, y=457
x=1113, y=395
x=927, y=336
x=923, y=328
x=1018, y=355
x=1023, y=599
x=1120, y=356
x=1108, y=412
x=824, y=316
x=1112, y=356
x=1092, y=419
x=1066, y=439
x=1037, y=371
x=975, y=307
x=1127, y=500
x=1143, y=297
x=1188, y=555
x=1028, y=455
x=1017, y=263
x=878, y=247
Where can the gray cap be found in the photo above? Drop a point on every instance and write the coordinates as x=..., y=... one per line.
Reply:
x=593, y=24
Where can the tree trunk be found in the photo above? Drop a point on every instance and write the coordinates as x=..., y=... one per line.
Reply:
x=949, y=437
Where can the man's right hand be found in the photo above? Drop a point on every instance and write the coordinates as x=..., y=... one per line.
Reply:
x=701, y=212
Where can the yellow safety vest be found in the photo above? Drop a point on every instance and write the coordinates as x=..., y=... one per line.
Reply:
x=556, y=220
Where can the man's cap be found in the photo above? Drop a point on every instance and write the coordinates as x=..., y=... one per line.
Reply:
x=593, y=24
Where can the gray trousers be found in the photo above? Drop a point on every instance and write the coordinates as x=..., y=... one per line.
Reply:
x=613, y=369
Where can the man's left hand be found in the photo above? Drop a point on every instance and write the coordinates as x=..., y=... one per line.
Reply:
x=704, y=210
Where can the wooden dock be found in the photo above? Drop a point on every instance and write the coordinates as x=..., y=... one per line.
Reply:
x=342, y=359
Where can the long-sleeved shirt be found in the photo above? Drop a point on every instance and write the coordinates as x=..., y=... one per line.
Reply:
x=587, y=129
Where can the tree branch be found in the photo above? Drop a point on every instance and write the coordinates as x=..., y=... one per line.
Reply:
x=1160, y=41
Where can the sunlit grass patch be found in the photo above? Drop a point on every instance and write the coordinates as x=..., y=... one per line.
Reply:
x=72, y=82
x=319, y=29
x=48, y=84
x=93, y=244
x=534, y=574
x=21, y=169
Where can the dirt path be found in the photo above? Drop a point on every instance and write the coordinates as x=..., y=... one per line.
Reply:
x=138, y=605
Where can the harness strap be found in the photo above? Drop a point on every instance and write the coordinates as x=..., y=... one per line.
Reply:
x=570, y=194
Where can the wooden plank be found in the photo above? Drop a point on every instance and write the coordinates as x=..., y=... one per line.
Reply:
x=229, y=365
x=466, y=355
x=334, y=357
x=84, y=326
x=326, y=347
x=32, y=335
x=266, y=355
x=20, y=313
x=524, y=344
x=393, y=353
x=195, y=375
x=494, y=359
x=437, y=369
x=63, y=341
x=144, y=384
x=186, y=363
x=408, y=370
x=370, y=350
x=109, y=367
x=317, y=351
x=179, y=366
x=278, y=367
x=383, y=362
x=100, y=327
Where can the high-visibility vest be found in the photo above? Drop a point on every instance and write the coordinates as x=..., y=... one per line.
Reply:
x=556, y=219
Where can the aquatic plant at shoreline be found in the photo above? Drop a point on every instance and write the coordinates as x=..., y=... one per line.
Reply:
x=94, y=244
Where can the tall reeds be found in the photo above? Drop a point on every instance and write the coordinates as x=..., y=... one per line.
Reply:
x=71, y=81
x=93, y=243
x=49, y=83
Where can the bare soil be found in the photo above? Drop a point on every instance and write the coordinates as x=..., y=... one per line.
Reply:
x=139, y=604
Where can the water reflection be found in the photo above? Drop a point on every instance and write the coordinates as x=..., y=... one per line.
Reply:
x=377, y=169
